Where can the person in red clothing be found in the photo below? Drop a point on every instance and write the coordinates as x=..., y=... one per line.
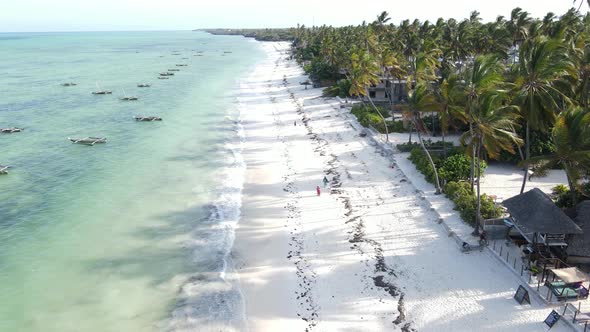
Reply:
x=318, y=190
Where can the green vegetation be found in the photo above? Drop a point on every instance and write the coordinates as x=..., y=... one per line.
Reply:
x=437, y=146
x=258, y=34
x=339, y=89
x=367, y=116
x=458, y=168
x=422, y=162
x=466, y=202
x=518, y=88
x=455, y=171
x=563, y=197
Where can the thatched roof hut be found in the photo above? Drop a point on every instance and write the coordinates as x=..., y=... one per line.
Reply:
x=579, y=248
x=534, y=214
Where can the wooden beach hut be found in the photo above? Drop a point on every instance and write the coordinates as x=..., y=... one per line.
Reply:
x=540, y=222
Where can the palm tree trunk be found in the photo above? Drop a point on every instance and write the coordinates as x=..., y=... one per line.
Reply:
x=527, y=156
x=478, y=209
x=411, y=130
x=571, y=183
x=382, y=118
x=444, y=145
x=437, y=182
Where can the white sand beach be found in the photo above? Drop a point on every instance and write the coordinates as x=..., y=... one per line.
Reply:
x=367, y=254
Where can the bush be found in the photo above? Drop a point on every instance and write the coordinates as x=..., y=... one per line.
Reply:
x=458, y=168
x=420, y=160
x=340, y=89
x=466, y=202
x=438, y=145
x=458, y=191
x=407, y=147
x=367, y=116
x=561, y=194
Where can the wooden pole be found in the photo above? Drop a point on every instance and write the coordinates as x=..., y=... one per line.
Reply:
x=514, y=265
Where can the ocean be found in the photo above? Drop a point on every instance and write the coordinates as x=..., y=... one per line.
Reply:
x=134, y=234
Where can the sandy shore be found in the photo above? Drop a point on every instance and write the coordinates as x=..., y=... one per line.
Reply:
x=366, y=255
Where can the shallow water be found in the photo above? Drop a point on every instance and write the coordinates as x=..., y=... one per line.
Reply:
x=103, y=238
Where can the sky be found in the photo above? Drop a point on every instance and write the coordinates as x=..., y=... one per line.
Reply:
x=108, y=15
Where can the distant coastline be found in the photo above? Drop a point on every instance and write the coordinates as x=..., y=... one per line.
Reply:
x=258, y=34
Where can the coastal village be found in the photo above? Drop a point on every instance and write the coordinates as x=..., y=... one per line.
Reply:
x=450, y=134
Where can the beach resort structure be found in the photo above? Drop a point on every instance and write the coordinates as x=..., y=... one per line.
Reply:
x=389, y=91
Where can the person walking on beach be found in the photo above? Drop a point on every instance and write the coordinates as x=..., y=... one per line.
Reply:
x=318, y=190
x=326, y=181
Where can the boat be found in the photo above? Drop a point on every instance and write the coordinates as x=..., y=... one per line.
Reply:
x=128, y=98
x=226, y=52
x=101, y=92
x=68, y=84
x=173, y=69
x=181, y=65
x=184, y=58
x=4, y=169
x=144, y=85
x=166, y=74
x=88, y=140
x=11, y=130
x=147, y=118
x=163, y=77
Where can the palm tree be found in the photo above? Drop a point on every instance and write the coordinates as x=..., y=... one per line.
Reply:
x=484, y=76
x=451, y=103
x=362, y=76
x=518, y=28
x=571, y=137
x=420, y=99
x=491, y=131
x=543, y=63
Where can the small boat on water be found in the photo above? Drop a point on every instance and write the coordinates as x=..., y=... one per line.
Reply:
x=68, y=84
x=173, y=69
x=88, y=140
x=11, y=130
x=147, y=118
x=128, y=98
x=4, y=169
x=166, y=73
x=99, y=91
x=163, y=77
x=144, y=85
x=181, y=65
x=226, y=52
x=184, y=58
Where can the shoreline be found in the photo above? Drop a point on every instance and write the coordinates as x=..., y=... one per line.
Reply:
x=365, y=255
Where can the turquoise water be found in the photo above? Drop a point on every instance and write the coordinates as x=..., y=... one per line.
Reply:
x=103, y=238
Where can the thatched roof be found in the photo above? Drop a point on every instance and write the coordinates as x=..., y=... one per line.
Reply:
x=580, y=244
x=535, y=212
